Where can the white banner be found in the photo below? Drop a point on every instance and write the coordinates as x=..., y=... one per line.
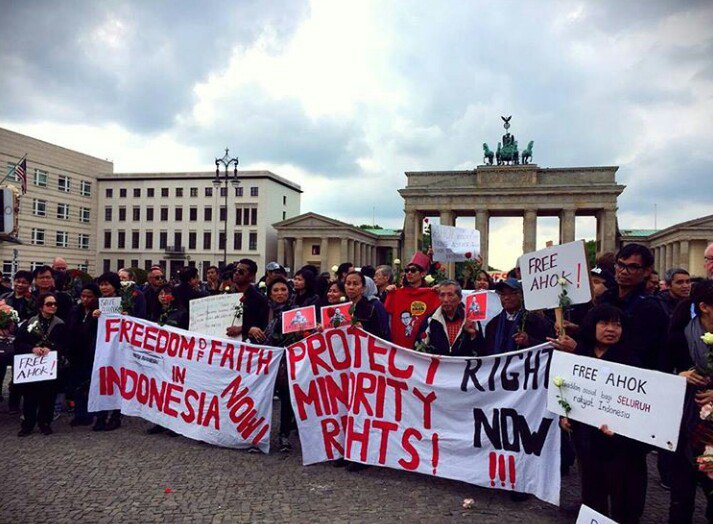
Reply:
x=638, y=403
x=480, y=420
x=28, y=367
x=214, y=314
x=450, y=244
x=210, y=389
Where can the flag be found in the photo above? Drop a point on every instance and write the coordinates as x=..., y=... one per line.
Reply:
x=21, y=174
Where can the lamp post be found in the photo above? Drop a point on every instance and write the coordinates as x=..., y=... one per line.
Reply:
x=219, y=181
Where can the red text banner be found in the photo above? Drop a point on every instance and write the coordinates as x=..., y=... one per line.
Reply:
x=206, y=388
x=480, y=420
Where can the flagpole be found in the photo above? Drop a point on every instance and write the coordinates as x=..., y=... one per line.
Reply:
x=12, y=169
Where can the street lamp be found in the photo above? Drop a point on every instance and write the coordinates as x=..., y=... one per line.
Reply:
x=219, y=181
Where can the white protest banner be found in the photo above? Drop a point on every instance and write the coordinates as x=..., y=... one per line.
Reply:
x=110, y=305
x=479, y=420
x=638, y=403
x=450, y=244
x=29, y=367
x=588, y=516
x=542, y=270
x=213, y=315
x=206, y=388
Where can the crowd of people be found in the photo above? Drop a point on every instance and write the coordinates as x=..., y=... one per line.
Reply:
x=635, y=318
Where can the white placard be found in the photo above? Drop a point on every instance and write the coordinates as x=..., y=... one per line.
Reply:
x=541, y=271
x=450, y=244
x=638, y=403
x=110, y=305
x=29, y=367
x=213, y=315
x=588, y=516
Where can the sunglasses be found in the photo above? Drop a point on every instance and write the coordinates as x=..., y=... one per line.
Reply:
x=413, y=270
x=241, y=271
x=51, y=304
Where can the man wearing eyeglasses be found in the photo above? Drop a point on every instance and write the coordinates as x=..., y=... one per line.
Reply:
x=44, y=283
x=647, y=320
x=154, y=281
x=708, y=260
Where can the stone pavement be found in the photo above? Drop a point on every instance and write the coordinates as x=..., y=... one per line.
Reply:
x=76, y=475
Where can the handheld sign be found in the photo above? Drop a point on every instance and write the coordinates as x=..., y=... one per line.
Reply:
x=450, y=244
x=588, y=516
x=212, y=315
x=110, y=305
x=638, y=403
x=336, y=315
x=543, y=270
x=300, y=319
x=476, y=306
x=29, y=367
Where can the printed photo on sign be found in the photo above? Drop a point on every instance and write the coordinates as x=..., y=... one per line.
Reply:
x=336, y=316
x=476, y=306
x=110, y=305
x=32, y=368
x=300, y=319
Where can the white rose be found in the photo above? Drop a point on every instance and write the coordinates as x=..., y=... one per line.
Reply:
x=335, y=268
x=429, y=279
x=558, y=382
x=562, y=281
x=397, y=262
x=262, y=285
x=707, y=339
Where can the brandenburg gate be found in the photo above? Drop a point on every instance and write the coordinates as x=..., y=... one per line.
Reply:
x=510, y=188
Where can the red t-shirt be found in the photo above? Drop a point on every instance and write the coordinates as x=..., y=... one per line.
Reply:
x=407, y=307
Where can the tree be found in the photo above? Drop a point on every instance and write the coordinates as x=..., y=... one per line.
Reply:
x=590, y=247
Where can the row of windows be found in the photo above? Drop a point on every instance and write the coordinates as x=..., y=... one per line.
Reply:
x=39, y=208
x=8, y=269
x=64, y=182
x=39, y=238
x=178, y=192
x=135, y=239
x=243, y=216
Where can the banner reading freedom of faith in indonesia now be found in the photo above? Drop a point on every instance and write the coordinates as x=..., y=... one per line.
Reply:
x=206, y=388
x=480, y=420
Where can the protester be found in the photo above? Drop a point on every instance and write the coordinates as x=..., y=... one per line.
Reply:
x=708, y=260
x=368, y=271
x=343, y=269
x=154, y=281
x=368, y=314
x=83, y=337
x=172, y=312
x=44, y=283
x=447, y=331
x=41, y=334
x=612, y=467
x=383, y=277
x=212, y=284
x=678, y=288
x=60, y=275
x=255, y=305
x=303, y=283
x=188, y=289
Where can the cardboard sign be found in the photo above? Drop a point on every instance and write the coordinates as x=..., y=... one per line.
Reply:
x=300, y=319
x=450, y=244
x=638, y=403
x=29, y=367
x=110, y=305
x=476, y=306
x=542, y=270
x=212, y=315
x=336, y=315
x=588, y=516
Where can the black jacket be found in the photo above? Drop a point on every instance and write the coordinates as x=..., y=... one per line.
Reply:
x=255, y=311
x=25, y=339
x=500, y=331
x=82, y=338
x=434, y=334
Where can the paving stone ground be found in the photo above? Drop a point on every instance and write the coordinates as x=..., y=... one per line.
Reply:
x=76, y=475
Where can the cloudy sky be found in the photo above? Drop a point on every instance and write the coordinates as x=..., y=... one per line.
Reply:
x=344, y=97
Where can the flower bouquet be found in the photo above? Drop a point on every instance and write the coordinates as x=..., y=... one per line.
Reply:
x=702, y=433
x=8, y=316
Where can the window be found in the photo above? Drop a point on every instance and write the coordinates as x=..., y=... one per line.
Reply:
x=237, y=240
x=39, y=207
x=164, y=192
x=119, y=264
x=194, y=191
x=85, y=188
x=83, y=267
x=223, y=213
x=38, y=236
x=122, y=214
x=149, y=240
x=179, y=192
x=137, y=192
x=35, y=265
x=149, y=214
x=179, y=214
x=164, y=214
x=284, y=215
x=40, y=178
x=147, y=265
x=238, y=216
x=136, y=213
x=122, y=192
x=209, y=191
x=252, y=242
x=150, y=192
x=221, y=240
x=246, y=216
x=134, y=240
x=108, y=192
x=84, y=214
x=316, y=249
x=253, y=216
x=254, y=191
x=223, y=191
x=193, y=214
x=13, y=178
x=107, y=239
x=63, y=183
x=162, y=239
x=239, y=191
x=121, y=240
x=177, y=239
x=62, y=239
x=191, y=240
x=7, y=268
x=284, y=200
x=134, y=262
x=107, y=265
x=208, y=214
x=206, y=240
x=107, y=213
x=83, y=241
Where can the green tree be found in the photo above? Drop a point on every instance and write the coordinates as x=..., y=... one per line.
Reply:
x=590, y=246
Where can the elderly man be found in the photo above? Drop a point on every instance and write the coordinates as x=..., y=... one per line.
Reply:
x=447, y=331
x=383, y=276
x=154, y=281
x=708, y=258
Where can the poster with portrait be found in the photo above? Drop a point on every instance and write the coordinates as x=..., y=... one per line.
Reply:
x=476, y=306
x=300, y=319
x=336, y=315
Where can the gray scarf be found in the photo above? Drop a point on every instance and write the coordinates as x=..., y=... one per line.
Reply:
x=696, y=347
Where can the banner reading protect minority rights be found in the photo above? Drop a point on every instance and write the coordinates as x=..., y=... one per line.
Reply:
x=481, y=420
x=210, y=389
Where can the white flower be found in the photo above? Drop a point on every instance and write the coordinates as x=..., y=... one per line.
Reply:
x=562, y=281
x=558, y=382
x=335, y=268
x=127, y=283
x=468, y=503
x=342, y=299
x=226, y=288
x=262, y=285
x=397, y=262
x=708, y=339
x=429, y=279
x=706, y=411
x=31, y=327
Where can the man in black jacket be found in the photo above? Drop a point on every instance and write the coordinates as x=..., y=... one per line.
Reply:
x=255, y=309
